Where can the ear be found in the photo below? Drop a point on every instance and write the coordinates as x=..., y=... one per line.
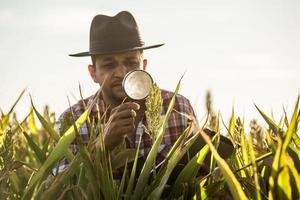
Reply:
x=92, y=72
x=145, y=61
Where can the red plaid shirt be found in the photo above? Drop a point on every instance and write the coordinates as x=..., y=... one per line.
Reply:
x=177, y=123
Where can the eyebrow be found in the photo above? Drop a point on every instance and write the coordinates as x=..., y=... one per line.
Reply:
x=131, y=57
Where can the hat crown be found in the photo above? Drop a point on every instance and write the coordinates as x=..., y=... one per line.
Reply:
x=114, y=34
x=110, y=34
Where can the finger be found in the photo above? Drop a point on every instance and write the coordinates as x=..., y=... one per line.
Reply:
x=126, y=122
x=126, y=106
x=113, y=138
x=118, y=126
x=125, y=114
x=126, y=129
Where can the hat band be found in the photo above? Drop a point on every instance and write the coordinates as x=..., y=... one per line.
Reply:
x=114, y=45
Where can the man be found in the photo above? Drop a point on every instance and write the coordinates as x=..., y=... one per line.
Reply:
x=116, y=48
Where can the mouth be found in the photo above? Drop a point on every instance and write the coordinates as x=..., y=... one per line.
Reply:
x=117, y=84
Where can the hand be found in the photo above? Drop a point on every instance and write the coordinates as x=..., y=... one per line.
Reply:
x=120, y=123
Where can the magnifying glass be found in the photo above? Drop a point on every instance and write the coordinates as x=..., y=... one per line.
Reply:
x=137, y=84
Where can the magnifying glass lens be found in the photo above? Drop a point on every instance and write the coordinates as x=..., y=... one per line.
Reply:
x=137, y=84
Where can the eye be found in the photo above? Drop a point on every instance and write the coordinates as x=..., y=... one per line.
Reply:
x=109, y=65
x=132, y=64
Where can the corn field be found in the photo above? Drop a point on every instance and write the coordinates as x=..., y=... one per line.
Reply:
x=265, y=163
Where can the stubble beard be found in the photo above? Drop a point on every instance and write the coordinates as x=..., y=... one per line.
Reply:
x=115, y=97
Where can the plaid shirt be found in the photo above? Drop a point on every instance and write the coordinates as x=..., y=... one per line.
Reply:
x=177, y=123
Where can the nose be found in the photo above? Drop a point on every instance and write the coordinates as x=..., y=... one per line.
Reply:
x=120, y=71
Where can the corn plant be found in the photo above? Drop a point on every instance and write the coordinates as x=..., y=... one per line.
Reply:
x=264, y=163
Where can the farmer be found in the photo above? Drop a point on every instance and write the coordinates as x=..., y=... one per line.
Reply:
x=116, y=48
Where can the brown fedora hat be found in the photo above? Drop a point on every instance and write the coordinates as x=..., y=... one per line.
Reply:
x=115, y=34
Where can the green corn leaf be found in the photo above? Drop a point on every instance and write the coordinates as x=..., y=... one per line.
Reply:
x=15, y=182
x=119, y=160
x=4, y=122
x=190, y=170
x=280, y=159
x=122, y=184
x=294, y=153
x=216, y=144
x=292, y=127
x=107, y=186
x=45, y=146
x=285, y=118
x=244, y=149
x=262, y=157
x=81, y=181
x=281, y=122
x=80, y=91
x=233, y=184
x=87, y=161
x=103, y=167
x=296, y=139
x=132, y=175
x=283, y=176
x=275, y=167
x=32, y=124
x=270, y=141
x=212, y=189
x=40, y=155
x=295, y=180
x=254, y=167
x=45, y=124
x=179, y=142
x=150, y=160
x=278, y=178
x=265, y=173
x=52, y=132
x=271, y=123
x=284, y=190
x=56, y=154
x=113, y=190
x=59, y=181
x=231, y=125
x=175, y=154
x=203, y=192
x=16, y=102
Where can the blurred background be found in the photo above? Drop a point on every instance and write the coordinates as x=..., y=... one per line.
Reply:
x=242, y=51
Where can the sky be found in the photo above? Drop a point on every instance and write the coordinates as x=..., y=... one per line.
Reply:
x=245, y=52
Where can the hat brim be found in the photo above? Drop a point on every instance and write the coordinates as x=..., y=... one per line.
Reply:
x=83, y=54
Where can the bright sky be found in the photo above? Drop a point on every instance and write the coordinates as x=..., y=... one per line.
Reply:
x=244, y=51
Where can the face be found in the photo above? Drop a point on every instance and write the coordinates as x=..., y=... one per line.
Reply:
x=111, y=69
